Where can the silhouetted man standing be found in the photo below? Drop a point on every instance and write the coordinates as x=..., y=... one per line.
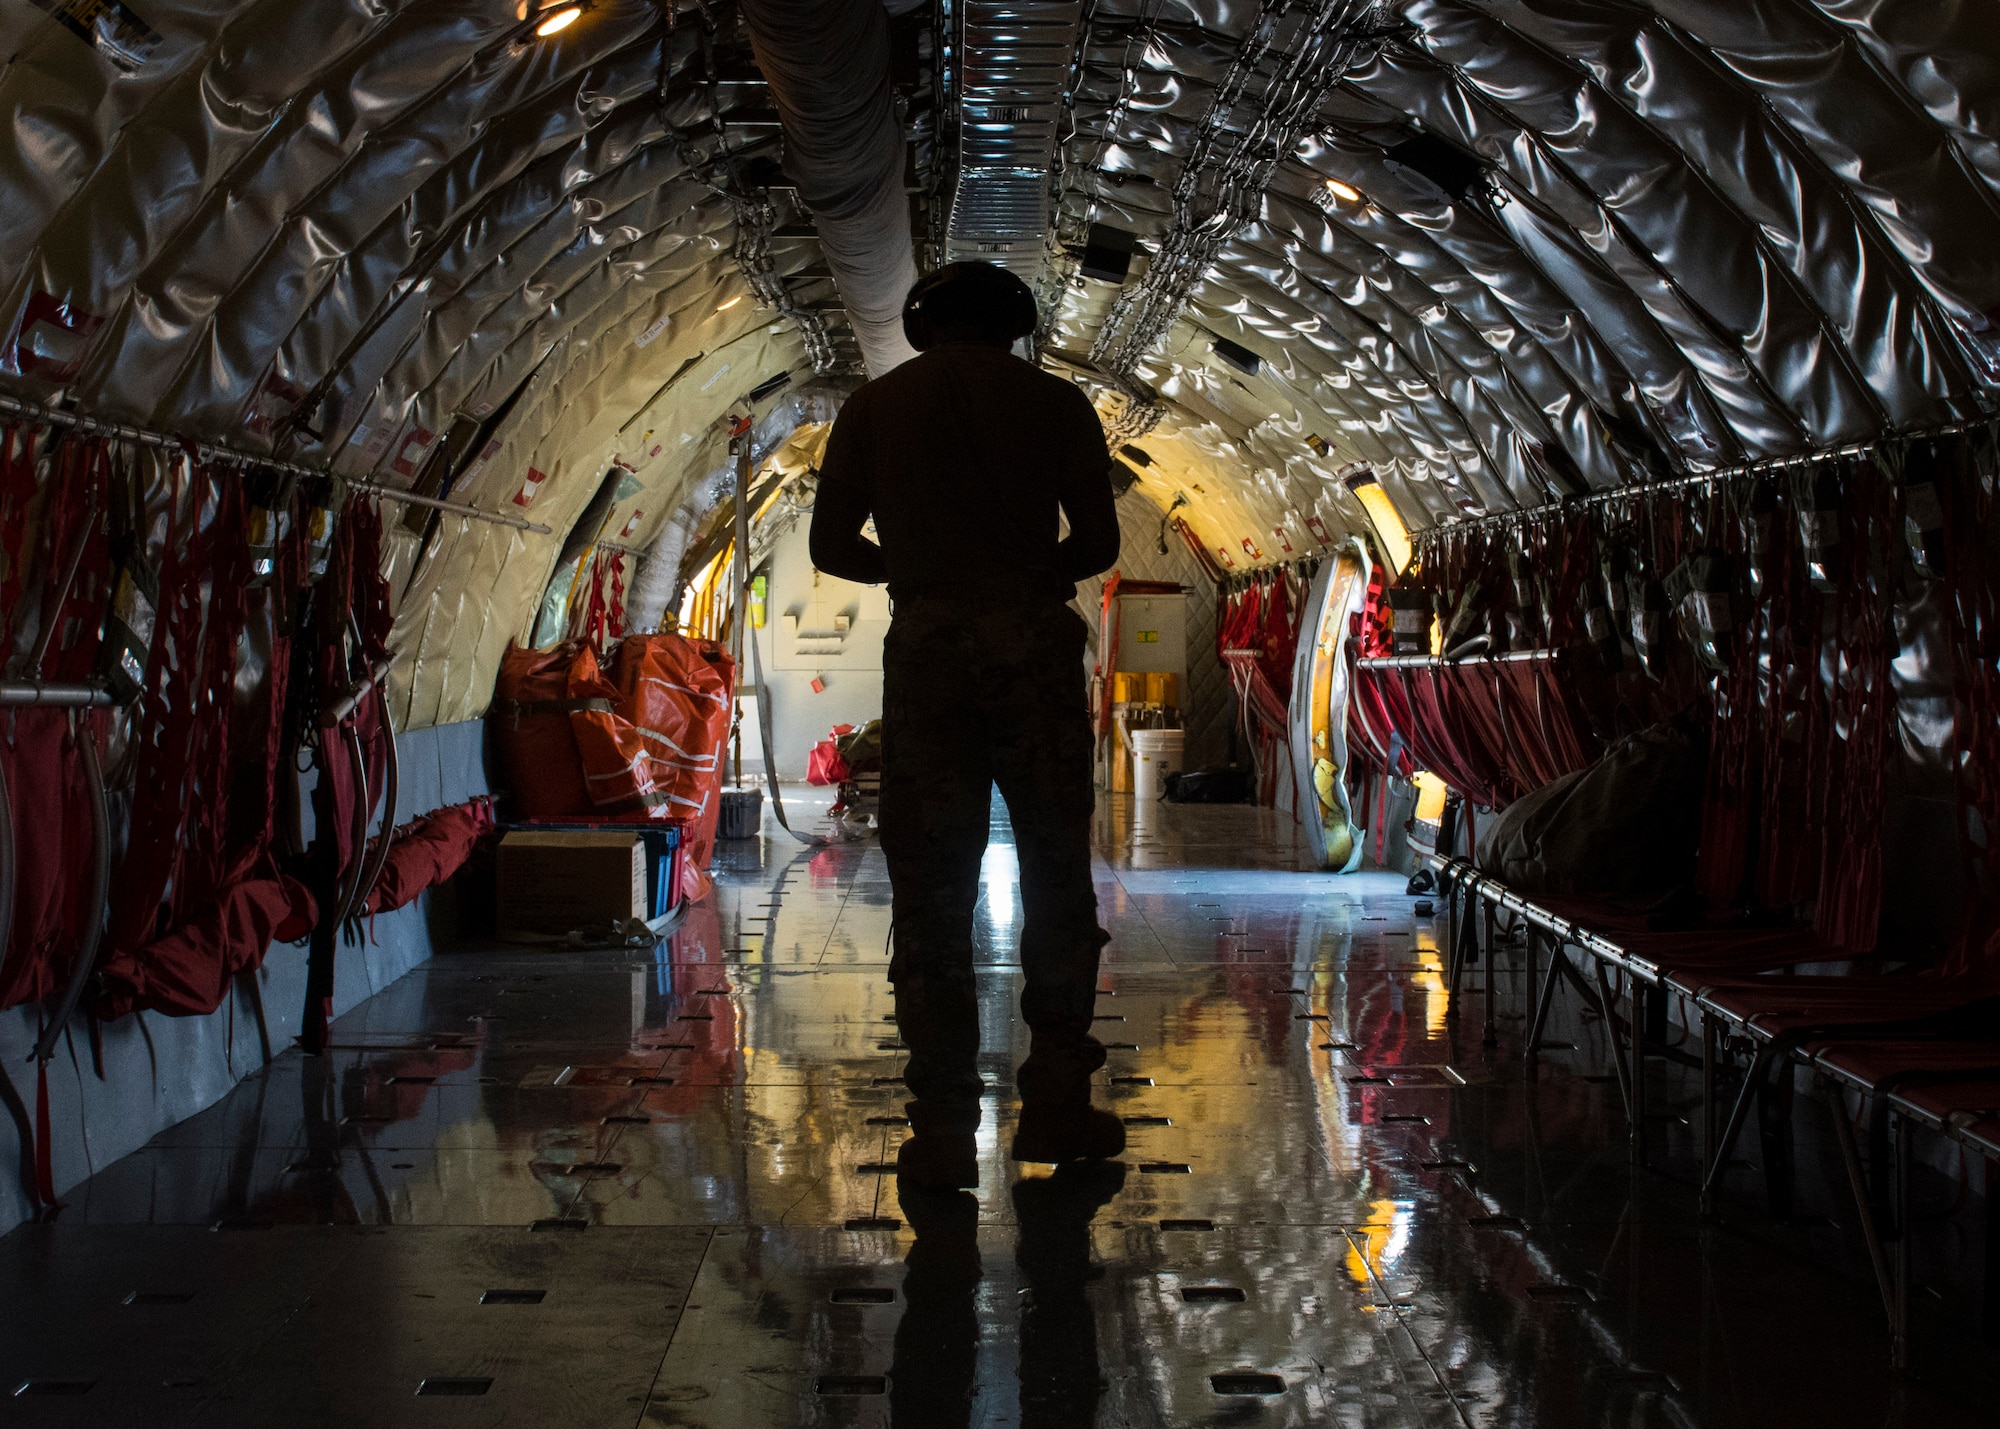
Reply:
x=963, y=457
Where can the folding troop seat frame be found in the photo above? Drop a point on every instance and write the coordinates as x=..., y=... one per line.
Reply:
x=1653, y=964
x=1946, y=1085
x=1901, y=1040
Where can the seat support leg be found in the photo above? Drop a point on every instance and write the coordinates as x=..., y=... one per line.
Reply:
x=1992, y=1309
x=1857, y=1182
x=1733, y=1128
x=1533, y=947
x=1774, y=1130
x=1610, y=1006
x=1490, y=1033
x=1899, y=1318
x=1638, y=1046
x=1543, y=1003
x=1708, y=1036
x=1451, y=921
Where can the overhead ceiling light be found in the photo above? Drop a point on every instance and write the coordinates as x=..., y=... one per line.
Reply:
x=725, y=307
x=1346, y=193
x=557, y=21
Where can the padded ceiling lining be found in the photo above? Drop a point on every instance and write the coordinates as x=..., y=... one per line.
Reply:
x=386, y=221
x=1716, y=232
x=1710, y=231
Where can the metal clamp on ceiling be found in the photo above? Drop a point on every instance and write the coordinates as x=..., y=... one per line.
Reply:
x=211, y=451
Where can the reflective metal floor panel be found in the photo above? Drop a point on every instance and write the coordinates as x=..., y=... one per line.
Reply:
x=647, y=1187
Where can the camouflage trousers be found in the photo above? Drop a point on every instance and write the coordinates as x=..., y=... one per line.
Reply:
x=976, y=696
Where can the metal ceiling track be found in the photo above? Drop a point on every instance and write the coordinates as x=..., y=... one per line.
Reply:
x=1291, y=59
x=1013, y=59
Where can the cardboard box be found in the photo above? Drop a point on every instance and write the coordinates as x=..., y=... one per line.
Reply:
x=553, y=883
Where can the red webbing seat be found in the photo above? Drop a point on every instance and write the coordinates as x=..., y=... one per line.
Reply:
x=1673, y=955
x=1492, y=729
x=187, y=972
x=1971, y=1109
x=1869, y=1066
x=1785, y=1013
x=1794, y=1006
x=1372, y=725
x=1257, y=642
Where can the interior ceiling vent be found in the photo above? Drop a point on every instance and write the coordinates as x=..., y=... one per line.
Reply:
x=998, y=206
x=1013, y=59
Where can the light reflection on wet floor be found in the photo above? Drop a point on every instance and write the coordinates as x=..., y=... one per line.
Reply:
x=628, y=1188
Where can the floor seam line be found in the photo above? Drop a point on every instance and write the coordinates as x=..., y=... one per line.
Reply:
x=693, y=1280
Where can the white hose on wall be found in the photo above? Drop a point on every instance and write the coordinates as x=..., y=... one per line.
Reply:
x=657, y=584
x=827, y=62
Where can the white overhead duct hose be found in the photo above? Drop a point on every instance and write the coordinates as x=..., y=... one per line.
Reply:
x=656, y=587
x=657, y=584
x=828, y=66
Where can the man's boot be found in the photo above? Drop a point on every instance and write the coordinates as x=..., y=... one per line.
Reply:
x=937, y=1013
x=1058, y=1123
x=941, y=1153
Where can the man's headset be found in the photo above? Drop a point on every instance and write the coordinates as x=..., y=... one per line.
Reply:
x=960, y=289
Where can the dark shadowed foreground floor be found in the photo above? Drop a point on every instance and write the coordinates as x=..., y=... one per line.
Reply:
x=588, y=1189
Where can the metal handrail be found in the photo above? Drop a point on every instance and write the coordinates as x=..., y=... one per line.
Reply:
x=55, y=694
x=1421, y=662
x=341, y=708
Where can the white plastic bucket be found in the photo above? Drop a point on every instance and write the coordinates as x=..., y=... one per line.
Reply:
x=1156, y=753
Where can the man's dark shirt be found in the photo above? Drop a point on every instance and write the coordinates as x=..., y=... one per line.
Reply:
x=963, y=456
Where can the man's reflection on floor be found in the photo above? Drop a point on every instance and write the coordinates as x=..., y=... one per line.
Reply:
x=1060, y=1380
x=937, y=1342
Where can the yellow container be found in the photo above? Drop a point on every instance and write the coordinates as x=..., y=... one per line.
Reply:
x=1163, y=688
x=1127, y=688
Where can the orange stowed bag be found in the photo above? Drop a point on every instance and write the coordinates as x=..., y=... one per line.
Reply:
x=677, y=696
x=644, y=740
x=538, y=694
